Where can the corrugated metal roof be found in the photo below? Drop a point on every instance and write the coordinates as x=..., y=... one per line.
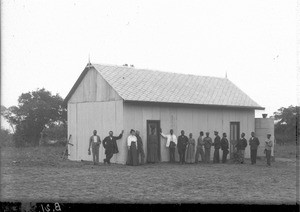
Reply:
x=143, y=85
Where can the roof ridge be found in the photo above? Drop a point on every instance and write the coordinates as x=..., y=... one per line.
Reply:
x=155, y=70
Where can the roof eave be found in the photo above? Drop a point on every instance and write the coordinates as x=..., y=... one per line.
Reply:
x=78, y=81
x=201, y=105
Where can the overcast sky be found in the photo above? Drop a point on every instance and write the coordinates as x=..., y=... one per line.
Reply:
x=47, y=43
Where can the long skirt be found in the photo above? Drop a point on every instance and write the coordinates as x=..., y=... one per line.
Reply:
x=207, y=155
x=132, y=159
x=190, y=154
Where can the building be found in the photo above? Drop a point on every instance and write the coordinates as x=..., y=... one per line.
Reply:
x=107, y=97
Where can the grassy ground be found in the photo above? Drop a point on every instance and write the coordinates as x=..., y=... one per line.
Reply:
x=38, y=174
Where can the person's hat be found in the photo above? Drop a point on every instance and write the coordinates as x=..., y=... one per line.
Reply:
x=269, y=134
x=216, y=131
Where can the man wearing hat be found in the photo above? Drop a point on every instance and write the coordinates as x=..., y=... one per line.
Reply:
x=207, y=146
x=217, y=144
x=254, y=143
x=268, y=149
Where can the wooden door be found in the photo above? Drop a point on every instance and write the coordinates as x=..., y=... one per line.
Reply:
x=154, y=124
x=234, y=136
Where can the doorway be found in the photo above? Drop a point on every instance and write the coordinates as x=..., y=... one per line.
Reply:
x=155, y=126
x=234, y=136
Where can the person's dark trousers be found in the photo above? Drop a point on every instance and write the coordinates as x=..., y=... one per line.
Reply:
x=181, y=153
x=95, y=151
x=216, y=156
x=172, y=154
x=253, y=156
x=108, y=157
x=268, y=155
x=224, y=156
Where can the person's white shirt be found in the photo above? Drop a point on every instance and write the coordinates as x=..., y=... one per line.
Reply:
x=131, y=138
x=95, y=139
x=169, y=138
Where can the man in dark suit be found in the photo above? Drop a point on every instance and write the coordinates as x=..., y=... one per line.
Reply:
x=95, y=143
x=217, y=144
x=224, y=147
x=182, y=141
x=110, y=145
x=254, y=143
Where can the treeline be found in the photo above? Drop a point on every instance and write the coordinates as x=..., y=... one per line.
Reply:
x=39, y=117
x=287, y=124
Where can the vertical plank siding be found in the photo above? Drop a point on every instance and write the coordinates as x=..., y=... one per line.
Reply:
x=191, y=120
x=94, y=88
x=100, y=116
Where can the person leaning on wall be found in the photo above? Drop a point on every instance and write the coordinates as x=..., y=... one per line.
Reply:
x=110, y=145
x=171, y=144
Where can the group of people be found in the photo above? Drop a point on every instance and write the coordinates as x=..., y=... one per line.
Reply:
x=188, y=149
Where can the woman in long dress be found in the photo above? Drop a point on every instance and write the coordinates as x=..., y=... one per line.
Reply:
x=132, y=159
x=190, y=150
x=152, y=153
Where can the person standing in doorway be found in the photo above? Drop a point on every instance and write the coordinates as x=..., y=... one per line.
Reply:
x=140, y=147
x=199, y=150
x=152, y=147
x=95, y=142
x=182, y=142
x=171, y=144
x=217, y=145
x=268, y=149
x=110, y=145
x=190, y=151
x=241, y=146
x=224, y=147
x=254, y=143
x=207, y=146
x=132, y=149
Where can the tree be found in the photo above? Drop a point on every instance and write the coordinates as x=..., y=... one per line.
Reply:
x=286, y=123
x=36, y=111
x=5, y=137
